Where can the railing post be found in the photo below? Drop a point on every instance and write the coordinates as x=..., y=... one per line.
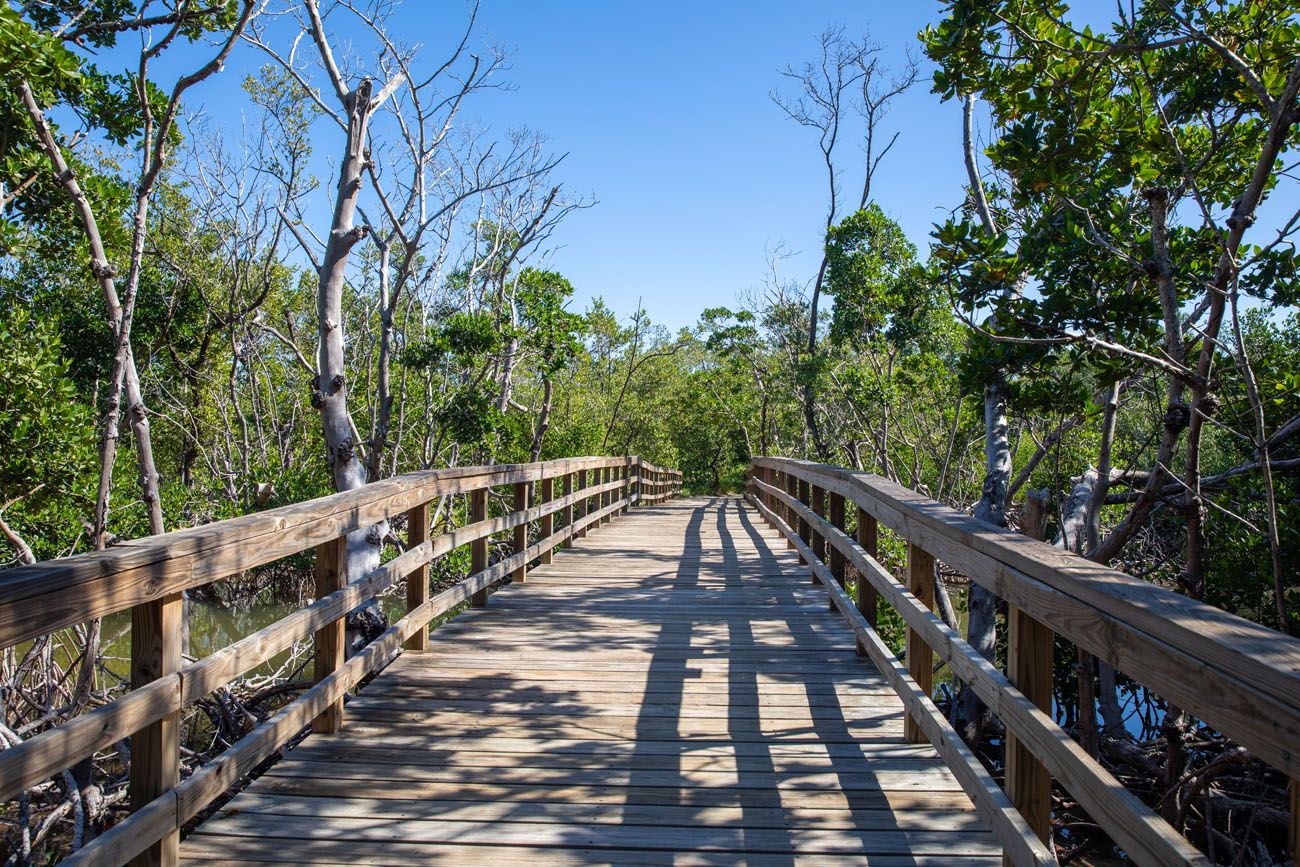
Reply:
x=417, y=583
x=920, y=658
x=768, y=475
x=837, y=559
x=805, y=531
x=1029, y=667
x=791, y=518
x=478, y=549
x=867, y=595
x=547, y=526
x=156, y=629
x=522, y=491
x=331, y=575
x=607, y=498
x=818, y=504
x=627, y=484
x=580, y=508
x=567, y=512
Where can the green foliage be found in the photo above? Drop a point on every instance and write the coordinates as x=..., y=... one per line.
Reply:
x=47, y=437
x=878, y=286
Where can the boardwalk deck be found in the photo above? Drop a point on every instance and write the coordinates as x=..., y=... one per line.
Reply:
x=675, y=692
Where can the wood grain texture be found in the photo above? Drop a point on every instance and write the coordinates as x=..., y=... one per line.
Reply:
x=920, y=657
x=669, y=691
x=1241, y=677
x=1134, y=825
x=38, y=599
x=546, y=524
x=478, y=551
x=417, y=582
x=522, y=492
x=1021, y=847
x=155, y=748
x=867, y=598
x=1029, y=667
x=331, y=576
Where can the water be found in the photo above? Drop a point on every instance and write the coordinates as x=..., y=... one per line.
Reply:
x=215, y=625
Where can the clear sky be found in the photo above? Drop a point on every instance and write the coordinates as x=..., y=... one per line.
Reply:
x=664, y=111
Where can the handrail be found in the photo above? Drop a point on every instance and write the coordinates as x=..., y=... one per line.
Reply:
x=1240, y=677
x=148, y=575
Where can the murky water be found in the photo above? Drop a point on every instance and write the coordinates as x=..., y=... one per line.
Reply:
x=213, y=626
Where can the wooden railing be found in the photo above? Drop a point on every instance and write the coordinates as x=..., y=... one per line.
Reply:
x=148, y=576
x=1241, y=678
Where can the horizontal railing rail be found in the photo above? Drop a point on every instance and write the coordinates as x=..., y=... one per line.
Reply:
x=1239, y=677
x=147, y=577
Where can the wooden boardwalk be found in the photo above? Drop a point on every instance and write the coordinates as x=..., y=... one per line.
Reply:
x=672, y=692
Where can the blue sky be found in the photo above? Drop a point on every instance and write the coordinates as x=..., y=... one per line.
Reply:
x=664, y=111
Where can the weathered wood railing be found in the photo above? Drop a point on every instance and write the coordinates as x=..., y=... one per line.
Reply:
x=148, y=576
x=1239, y=677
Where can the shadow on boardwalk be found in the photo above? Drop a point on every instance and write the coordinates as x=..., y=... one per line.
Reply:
x=672, y=690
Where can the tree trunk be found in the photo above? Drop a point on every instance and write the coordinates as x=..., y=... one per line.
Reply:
x=981, y=629
x=330, y=396
x=543, y=420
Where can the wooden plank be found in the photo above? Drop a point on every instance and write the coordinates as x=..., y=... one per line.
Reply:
x=331, y=575
x=837, y=518
x=805, y=529
x=663, y=691
x=1134, y=825
x=920, y=657
x=1029, y=667
x=567, y=519
x=212, y=849
x=546, y=524
x=478, y=552
x=164, y=815
x=1241, y=677
x=155, y=748
x=1009, y=827
x=868, y=599
x=584, y=504
x=417, y=582
x=38, y=599
x=817, y=500
x=522, y=493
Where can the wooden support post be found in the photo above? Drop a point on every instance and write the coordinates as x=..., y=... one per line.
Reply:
x=331, y=575
x=791, y=519
x=627, y=485
x=580, y=508
x=867, y=595
x=548, y=520
x=837, y=562
x=417, y=583
x=920, y=658
x=156, y=630
x=817, y=501
x=478, y=549
x=522, y=492
x=607, y=498
x=769, y=476
x=805, y=531
x=1029, y=667
x=567, y=511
